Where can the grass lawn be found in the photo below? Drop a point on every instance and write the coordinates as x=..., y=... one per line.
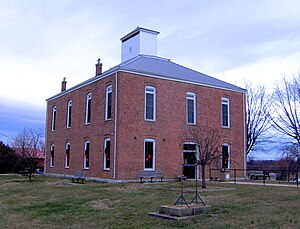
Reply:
x=56, y=203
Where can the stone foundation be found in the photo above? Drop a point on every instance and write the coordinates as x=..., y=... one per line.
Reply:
x=178, y=212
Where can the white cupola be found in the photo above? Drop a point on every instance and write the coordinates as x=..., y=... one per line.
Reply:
x=139, y=41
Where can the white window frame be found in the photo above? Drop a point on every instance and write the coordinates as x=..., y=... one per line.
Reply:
x=108, y=90
x=225, y=101
x=154, y=154
x=69, y=114
x=51, y=162
x=84, y=157
x=67, y=145
x=150, y=90
x=104, y=156
x=53, y=123
x=191, y=96
x=229, y=156
x=88, y=108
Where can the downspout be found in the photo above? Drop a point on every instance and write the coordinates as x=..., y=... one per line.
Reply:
x=115, y=126
x=46, y=140
x=244, y=117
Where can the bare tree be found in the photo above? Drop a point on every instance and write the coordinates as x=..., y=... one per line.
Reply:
x=258, y=108
x=209, y=146
x=291, y=152
x=27, y=145
x=286, y=106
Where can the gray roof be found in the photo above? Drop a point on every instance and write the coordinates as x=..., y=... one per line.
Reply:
x=154, y=66
x=161, y=67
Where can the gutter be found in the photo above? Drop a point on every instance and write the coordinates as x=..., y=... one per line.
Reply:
x=244, y=117
x=115, y=126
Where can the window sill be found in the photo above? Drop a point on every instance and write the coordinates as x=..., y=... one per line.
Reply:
x=149, y=169
x=150, y=120
x=106, y=170
x=107, y=120
x=67, y=167
x=226, y=127
x=86, y=168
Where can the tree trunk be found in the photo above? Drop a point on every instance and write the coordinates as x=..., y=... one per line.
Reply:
x=203, y=176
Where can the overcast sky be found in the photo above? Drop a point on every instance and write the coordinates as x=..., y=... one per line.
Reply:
x=43, y=41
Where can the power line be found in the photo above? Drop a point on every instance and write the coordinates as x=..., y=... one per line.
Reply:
x=6, y=136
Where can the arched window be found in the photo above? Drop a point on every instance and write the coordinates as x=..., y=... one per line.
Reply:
x=149, y=154
x=53, y=123
x=225, y=113
x=86, y=158
x=69, y=114
x=107, y=149
x=108, y=102
x=88, y=108
x=191, y=108
x=226, y=156
x=67, y=159
x=150, y=103
x=52, y=155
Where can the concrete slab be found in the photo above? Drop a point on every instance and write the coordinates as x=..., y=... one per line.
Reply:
x=178, y=212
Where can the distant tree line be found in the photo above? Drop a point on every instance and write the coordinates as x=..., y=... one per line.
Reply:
x=21, y=156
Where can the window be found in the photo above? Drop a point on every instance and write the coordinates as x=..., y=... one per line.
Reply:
x=53, y=118
x=107, y=154
x=88, y=108
x=149, y=154
x=150, y=103
x=69, y=114
x=190, y=159
x=52, y=155
x=226, y=156
x=86, y=162
x=225, y=113
x=67, y=159
x=191, y=108
x=108, y=102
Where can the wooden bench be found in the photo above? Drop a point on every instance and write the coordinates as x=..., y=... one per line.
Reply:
x=256, y=174
x=79, y=176
x=150, y=174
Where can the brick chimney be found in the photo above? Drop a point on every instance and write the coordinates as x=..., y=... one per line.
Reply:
x=63, y=85
x=98, y=67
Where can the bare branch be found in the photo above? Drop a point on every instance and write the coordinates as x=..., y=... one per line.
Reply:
x=257, y=105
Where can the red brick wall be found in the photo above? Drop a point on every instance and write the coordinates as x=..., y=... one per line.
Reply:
x=95, y=132
x=168, y=129
x=170, y=125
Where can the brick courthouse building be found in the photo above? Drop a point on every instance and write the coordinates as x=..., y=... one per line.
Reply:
x=133, y=116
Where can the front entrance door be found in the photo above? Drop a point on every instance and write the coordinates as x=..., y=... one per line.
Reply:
x=189, y=160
